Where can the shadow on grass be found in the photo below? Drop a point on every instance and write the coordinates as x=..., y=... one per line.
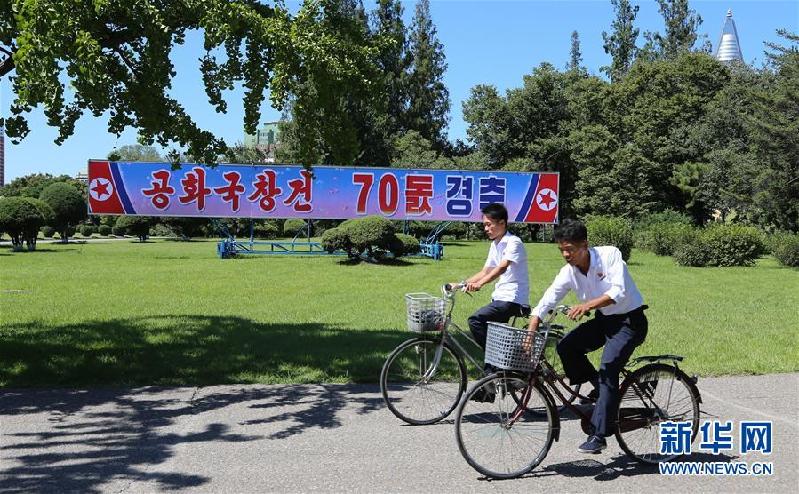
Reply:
x=384, y=262
x=38, y=250
x=89, y=438
x=188, y=350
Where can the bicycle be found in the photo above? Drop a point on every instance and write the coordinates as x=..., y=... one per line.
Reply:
x=512, y=435
x=424, y=377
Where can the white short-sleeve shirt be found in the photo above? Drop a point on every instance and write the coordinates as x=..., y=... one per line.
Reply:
x=513, y=285
x=607, y=275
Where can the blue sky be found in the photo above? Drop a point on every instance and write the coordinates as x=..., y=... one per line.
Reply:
x=485, y=42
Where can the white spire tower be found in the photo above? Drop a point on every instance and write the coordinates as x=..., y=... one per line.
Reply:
x=728, y=48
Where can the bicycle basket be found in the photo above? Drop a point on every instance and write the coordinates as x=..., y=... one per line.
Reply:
x=425, y=312
x=505, y=349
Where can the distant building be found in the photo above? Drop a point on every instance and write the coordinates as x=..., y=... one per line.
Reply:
x=729, y=48
x=266, y=139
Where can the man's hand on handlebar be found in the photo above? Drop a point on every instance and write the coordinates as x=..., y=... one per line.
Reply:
x=456, y=285
x=473, y=286
x=578, y=311
x=527, y=342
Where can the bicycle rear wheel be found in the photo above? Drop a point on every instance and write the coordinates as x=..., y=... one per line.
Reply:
x=501, y=439
x=415, y=389
x=650, y=395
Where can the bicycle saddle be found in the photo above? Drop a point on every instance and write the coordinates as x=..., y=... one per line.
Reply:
x=655, y=358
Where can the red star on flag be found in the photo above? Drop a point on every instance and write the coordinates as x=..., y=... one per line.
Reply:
x=101, y=189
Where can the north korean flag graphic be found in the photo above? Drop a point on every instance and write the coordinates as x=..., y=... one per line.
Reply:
x=541, y=202
x=106, y=190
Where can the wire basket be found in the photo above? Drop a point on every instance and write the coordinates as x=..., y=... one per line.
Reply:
x=505, y=347
x=425, y=312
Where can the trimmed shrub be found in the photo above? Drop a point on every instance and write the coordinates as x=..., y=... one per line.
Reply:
x=733, y=245
x=104, y=230
x=609, y=230
x=161, y=230
x=133, y=225
x=785, y=248
x=87, y=230
x=293, y=226
x=370, y=234
x=722, y=245
x=47, y=231
x=337, y=239
x=68, y=205
x=406, y=245
x=457, y=229
x=664, y=239
x=371, y=238
x=21, y=218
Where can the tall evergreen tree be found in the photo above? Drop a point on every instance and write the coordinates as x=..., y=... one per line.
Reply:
x=681, y=22
x=393, y=60
x=428, y=96
x=575, y=55
x=620, y=43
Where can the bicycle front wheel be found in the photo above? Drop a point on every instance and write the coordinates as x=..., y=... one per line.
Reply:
x=653, y=394
x=500, y=438
x=418, y=388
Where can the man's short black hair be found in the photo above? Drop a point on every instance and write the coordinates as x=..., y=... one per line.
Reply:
x=571, y=231
x=496, y=212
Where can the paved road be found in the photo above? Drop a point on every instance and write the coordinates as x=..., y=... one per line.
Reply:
x=329, y=438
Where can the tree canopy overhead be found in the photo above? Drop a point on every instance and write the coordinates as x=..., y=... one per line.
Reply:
x=71, y=57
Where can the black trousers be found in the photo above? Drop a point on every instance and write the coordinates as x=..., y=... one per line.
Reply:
x=496, y=311
x=619, y=334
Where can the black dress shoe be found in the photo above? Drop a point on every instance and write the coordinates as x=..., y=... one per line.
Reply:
x=594, y=445
x=592, y=397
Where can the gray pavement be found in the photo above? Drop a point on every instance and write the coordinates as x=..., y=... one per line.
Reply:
x=330, y=438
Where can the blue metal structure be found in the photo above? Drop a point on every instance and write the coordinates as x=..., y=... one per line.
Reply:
x=431, y=246
x=229, y=246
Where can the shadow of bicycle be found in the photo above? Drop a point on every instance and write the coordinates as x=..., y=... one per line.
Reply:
x=623, y=466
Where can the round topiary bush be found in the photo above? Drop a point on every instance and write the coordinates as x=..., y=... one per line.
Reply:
x=104, y=230
x=406, y=245
x=370, y=233
x=722, y=245
x=47, y=231
x=337, y=239
x=371, y=238
x=609, y=230
x=133, y=225
x=665, y=238
x=733, y=245
x=68, y=205
x=693, y=253
x=87, y=230
x=785, y=248
x=21, y=218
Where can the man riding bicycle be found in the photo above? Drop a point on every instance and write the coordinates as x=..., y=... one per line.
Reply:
x=507, y=262
x=601, y=281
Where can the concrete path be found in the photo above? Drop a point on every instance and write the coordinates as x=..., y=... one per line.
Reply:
x=331, y=438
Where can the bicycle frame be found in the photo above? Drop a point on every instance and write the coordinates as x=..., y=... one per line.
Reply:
x=448, y=337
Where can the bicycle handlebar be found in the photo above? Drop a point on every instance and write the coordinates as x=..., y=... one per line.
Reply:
x=564, y=309
x=449, y=287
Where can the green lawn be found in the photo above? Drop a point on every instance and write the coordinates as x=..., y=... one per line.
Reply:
x=168, y=313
